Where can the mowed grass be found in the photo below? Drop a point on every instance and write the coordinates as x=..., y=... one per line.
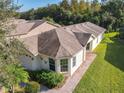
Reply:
x=106, y=74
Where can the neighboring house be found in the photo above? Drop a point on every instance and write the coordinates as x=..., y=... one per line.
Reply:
x=60, y=49
x=28, y=28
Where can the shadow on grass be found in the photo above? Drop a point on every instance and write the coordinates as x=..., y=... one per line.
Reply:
x=115, y=54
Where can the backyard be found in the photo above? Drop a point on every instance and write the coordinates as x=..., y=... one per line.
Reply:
x=106, y=74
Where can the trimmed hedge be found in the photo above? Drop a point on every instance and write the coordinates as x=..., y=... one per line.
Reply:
x=32, y=87
x=49, y=78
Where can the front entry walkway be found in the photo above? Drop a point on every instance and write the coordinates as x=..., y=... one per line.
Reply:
x=72, y=81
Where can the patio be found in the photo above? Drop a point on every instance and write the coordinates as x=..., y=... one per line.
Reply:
x=72, y=81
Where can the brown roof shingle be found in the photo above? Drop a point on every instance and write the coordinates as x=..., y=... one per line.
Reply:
x=82, y=37
x=58, y=43
x=63, y=41
x=87, y=27
x=25, y=27
x=31, y=44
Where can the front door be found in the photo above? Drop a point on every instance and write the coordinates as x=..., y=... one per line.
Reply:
x=51, y=64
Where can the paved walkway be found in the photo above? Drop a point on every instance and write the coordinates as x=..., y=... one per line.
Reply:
x=72, y=81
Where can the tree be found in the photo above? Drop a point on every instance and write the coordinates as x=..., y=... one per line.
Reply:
x=115, y=13
x=109, y=12
x=95, y=5
x=64, y=4
x=11, y=71
x=74, y=6
x=29, y=15
x=14, y=75
x=49, y=19
x=103, y=1
x=82, y=6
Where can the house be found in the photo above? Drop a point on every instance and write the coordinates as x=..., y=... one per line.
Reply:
x=28, y=28
x=56, y=48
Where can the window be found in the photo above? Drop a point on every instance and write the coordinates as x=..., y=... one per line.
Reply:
x=52, y=64
x=74, y=61
x=88, y=46
x=64, y=65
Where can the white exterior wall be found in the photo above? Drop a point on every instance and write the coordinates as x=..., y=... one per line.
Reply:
x=26, y=62
x=84, y=54
x=36, y=63
x=80, y=57
x=96, y=41
x=79, y=60
x=44, y=63
x=57, y=66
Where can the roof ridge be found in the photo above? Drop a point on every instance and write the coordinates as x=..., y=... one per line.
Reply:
x=92, y=24
x=54, y=24
x=60, y=40
x=54, y=30
x=61, y=46
x=42, y=22
x=85, y=25
x=80, y=29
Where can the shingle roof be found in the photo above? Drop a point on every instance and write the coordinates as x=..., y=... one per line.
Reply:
x=87, y=27
x=82, y=37
x=40, y=29
x=25, y=26
x=31, y=44
x=63, y=41
x=58, y=43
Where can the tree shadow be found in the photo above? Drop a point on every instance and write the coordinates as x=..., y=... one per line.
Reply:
x=115, y=53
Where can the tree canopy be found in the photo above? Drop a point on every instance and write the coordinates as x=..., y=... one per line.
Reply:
x=11, y=71
x=107, y=13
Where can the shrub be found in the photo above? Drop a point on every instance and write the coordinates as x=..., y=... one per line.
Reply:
x=32, y=87
x=121, y=35
x=49, y=78
x=19, y=89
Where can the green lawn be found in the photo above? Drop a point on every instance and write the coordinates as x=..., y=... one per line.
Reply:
x=106, y=74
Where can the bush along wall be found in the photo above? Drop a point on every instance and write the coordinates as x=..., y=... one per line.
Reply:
x=32, y=87
x=48, y=78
